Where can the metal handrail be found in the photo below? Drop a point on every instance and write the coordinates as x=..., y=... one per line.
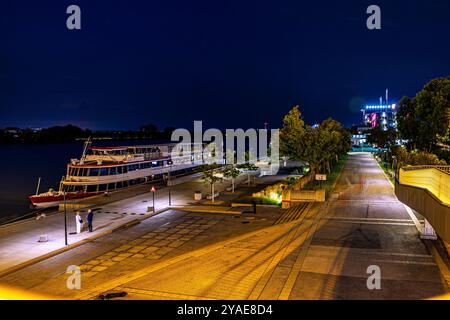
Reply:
x=443, y=168
x=21, y=218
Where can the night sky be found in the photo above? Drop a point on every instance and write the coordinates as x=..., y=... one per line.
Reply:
x=229, y=63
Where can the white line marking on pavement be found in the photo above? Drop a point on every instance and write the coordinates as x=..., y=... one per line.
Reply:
x=413, y=218
x=378, y=223
x=410, y=262
x=367, y=219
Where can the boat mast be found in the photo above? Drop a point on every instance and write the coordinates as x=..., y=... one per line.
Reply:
x=87, y=143
x=61, y=183
x=38, y=185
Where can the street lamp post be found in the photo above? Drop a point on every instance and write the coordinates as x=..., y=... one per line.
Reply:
x=153, y=191
x=65, y=217
x=170, y=183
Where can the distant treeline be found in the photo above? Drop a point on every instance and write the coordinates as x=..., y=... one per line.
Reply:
x=71, y=133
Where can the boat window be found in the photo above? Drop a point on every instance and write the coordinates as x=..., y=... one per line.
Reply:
x=94, y=172
x=133, y=167
x=125, y=169
x=113, y=170
x=103, y=171
x=91, y=188
x=111, y=186
x=119, y=170
x=102, y=187
x=119, y=185
x=78, y=188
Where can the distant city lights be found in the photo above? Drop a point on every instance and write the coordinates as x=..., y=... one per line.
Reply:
x=379, y=107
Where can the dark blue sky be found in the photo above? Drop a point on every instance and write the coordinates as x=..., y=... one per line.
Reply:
x=229, y=63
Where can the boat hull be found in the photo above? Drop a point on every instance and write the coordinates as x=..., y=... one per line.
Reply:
x=47, y=201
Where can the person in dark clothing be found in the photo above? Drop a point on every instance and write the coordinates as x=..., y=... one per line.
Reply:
x=90, y=218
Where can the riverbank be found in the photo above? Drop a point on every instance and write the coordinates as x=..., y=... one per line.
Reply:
x=25, y=163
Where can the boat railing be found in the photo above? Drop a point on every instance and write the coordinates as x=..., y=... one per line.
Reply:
x=153, y=156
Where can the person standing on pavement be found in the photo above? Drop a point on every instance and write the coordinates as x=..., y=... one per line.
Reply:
x=90, y=218
x=78, y=222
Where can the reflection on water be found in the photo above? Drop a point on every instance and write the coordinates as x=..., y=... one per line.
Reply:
x=22, y=165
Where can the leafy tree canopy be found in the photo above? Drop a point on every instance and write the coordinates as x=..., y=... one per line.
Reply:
x=425, y=119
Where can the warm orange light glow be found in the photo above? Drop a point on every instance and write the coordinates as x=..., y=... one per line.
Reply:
x=7, y=293
x=434, y=180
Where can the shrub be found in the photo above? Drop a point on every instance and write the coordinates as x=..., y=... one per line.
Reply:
x=415, y=158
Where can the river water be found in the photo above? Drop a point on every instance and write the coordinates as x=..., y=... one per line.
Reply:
x=21, y=166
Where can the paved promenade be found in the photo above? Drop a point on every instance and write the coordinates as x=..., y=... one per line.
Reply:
x=19, y=241
x=314, y=251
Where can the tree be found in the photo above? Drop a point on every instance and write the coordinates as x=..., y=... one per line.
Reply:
x=432, y=109
x=149, y=131
x=299, y=141
x=167, y=132
x=425, y=120
x=385, y=139
x=416, y=158
x=334, y=140
x=59, y=134
x=292, y=135
x=210, y=176
x=232, y=172
x=315, y=145
x=312, y=153
x=248, y=167
x=407, y=124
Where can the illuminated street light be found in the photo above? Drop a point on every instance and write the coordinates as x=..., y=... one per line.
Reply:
x=153, y=191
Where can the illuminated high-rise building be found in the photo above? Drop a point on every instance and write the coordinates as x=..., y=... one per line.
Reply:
x=380, y=115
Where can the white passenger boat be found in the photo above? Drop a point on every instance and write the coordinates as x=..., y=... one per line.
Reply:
x=103, y=170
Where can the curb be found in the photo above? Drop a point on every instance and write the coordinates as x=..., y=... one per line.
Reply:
x=56, y=252
x=336, y=181
x=441, y=261
x=218, y=210
x=386, y=176
x=33, y=219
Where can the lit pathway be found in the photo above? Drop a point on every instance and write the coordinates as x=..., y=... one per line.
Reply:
x=322, y=253
x=19, y=241
x=364, y=226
